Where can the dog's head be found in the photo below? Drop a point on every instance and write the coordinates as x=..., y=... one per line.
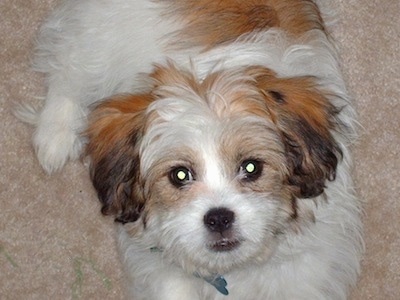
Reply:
x=213, y=169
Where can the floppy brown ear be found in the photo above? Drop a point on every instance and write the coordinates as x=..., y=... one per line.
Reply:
x=114, y=133
x=306, y=119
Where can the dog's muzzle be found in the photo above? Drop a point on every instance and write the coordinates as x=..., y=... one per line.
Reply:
x=219, y=222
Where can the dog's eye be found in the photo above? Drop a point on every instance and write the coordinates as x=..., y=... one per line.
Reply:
x=180, y=176
x=251, y=169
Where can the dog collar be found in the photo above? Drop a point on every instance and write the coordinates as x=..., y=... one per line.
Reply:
x=218, y=281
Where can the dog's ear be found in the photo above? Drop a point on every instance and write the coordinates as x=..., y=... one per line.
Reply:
x=114, y=132
x=306, y=119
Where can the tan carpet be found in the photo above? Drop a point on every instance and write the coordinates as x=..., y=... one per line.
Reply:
x=54, y=244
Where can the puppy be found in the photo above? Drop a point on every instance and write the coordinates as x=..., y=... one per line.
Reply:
x=218, y=134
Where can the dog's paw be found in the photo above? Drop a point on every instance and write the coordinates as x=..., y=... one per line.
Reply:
x=55, y=144
x=58, y=134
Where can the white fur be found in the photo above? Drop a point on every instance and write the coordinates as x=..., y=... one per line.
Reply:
x=92, y=49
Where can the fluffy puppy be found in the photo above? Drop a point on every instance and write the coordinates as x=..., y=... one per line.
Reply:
x=221, y=148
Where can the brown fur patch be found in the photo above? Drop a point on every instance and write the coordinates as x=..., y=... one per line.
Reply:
x=114, y=131
x=113, y=120
x=210, y=22
x=305, y=118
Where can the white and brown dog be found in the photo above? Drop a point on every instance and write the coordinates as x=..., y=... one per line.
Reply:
x=219, y=142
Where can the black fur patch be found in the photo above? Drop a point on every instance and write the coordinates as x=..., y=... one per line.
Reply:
x=114, y=178
x=312, y=158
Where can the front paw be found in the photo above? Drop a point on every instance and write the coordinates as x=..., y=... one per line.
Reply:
x=55, y=144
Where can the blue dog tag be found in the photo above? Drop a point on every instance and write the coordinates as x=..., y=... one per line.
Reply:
x=218, y=281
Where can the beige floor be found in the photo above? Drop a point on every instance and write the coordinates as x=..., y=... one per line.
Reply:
x=54, y=244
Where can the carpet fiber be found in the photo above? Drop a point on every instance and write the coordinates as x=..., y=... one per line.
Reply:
x=54, y=244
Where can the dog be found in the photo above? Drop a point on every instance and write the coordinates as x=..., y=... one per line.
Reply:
x=218, y=135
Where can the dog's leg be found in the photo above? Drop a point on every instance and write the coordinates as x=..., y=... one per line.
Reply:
x=58, y=128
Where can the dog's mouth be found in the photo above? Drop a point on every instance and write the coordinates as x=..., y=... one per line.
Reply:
x=224, y=244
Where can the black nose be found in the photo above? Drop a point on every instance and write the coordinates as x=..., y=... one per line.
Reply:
x=219, y=219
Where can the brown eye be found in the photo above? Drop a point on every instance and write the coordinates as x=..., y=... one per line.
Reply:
x=180, y=176
x=251, y=169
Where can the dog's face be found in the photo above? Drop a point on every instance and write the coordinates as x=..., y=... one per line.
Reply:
x=213, y=169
